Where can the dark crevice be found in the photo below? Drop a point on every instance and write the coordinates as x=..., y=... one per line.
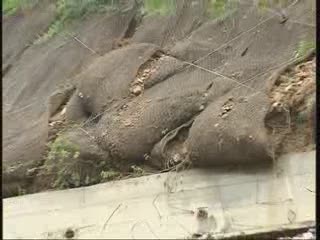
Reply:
x=132, y=26
x=209, y=86
x=173, y=143
x=176, y=139
x=15, y=59
x=67, y=96
x=6, y=69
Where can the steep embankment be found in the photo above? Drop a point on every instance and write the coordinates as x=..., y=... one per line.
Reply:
x=123, y=88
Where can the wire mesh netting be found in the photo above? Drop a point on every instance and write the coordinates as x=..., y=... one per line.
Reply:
x=160, y=82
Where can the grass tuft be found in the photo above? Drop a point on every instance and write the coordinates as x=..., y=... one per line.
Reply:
x=220, y=9
x=304, y=47
x=12, y=6
x=68, y=10
x=162, y=7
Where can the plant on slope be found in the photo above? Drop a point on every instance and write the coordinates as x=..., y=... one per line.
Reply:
x=61, y=157
x=162, y=7
x=68, y=10
x=304, y=47
x=11, y=6
x=221, y=8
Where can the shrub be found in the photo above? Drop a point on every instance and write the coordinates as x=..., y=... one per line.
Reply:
x=62, y=158
x=109, y=175
x=68, y=10
x=221, y=9
x=304, y=47
x=162, y=7
x=62, y=149
x=11, y=6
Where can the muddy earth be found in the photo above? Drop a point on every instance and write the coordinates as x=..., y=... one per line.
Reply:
x=125, y=92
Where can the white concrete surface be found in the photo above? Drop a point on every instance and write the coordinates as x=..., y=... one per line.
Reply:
x=160, y=206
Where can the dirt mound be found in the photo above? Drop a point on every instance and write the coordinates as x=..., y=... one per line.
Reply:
x=182, y=87
x=291, y=117
x=102, y=84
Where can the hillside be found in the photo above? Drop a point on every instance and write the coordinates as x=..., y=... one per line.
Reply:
x=105, y=90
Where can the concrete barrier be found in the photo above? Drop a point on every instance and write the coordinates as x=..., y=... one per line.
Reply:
x=224, y=202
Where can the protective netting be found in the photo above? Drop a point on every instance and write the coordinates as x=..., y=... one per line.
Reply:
x=23, y=146
x=189, y=82
x=20, y=31
x=97, y=94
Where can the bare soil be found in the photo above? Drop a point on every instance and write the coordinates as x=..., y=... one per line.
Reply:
x=291, y=120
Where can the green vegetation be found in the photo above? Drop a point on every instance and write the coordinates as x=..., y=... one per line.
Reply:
x=137, y=171
x=62, y=155
x=109, y=175
x=273, y=3
x=68, y=10
x=61, y=149
x=264, y=5
x=215, y=8
x=69, y=170
x=220, y=9
x=304, y=47
x=11, y=6
x=67, y=179
x=162, y=7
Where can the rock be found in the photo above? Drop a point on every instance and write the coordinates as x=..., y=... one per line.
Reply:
x=139, y=80
x=310, y=234
x=237, y=74
x=224, y=116
x=137, y=90
x=128, y=123
x=277, y=96
x=153, y=70
x=176, y=158
x=302, y=74
x=287, y=89
x=147, y=157
x=63, y=111
x=276, y=104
